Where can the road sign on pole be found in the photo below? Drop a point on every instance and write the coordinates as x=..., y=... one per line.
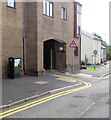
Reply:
x=73, y=45
x=95, y=52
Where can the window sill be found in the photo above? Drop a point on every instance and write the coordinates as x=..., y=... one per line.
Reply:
x=64, y=20
x=48, y=16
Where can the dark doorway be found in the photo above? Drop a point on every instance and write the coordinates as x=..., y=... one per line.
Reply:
x=54, y=54
x=49, y=55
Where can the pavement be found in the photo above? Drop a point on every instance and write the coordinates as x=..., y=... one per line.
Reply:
x=101, y=70
x=27, y=86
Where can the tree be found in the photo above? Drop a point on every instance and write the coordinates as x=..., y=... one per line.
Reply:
x=102, y=41
x=108, y=47
x=108, y=51
x=98, y=36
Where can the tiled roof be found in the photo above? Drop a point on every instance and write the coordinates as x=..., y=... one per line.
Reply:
x=103, y=47
x=88, y=34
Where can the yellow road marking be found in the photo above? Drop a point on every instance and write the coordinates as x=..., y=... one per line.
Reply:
x=71, y=77
x=30, y=103
x=80, y=74
x=83, y=74
x=67, y=79
x=43, y=100
x=101, y=67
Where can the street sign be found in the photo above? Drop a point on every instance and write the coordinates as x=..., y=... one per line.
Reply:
x=95, y=52
x=73, y=44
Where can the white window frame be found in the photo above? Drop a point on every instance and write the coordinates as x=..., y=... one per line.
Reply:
x=47, y=8
x=63, y=13
x=51, y=9
x=11, y=3
x=44, y=7
x=78, y=8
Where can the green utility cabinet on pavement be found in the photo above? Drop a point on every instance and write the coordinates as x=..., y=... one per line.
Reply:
x=14, y=67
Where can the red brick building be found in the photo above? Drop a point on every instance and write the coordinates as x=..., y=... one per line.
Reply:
x=40, y=33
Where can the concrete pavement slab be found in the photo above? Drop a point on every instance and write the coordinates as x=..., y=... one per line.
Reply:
x=27, y=86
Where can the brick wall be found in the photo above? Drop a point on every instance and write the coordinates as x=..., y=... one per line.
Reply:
x=31, y=37
x=50, y=28
x=12, y=34
x=0, y=39
x=37, y=29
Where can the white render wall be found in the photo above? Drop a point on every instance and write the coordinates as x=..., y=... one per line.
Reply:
x=88, y=45
x=103, y=54
x=97, y=46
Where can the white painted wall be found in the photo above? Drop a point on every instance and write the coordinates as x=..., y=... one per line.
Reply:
x=88, y=45
x=103, y=54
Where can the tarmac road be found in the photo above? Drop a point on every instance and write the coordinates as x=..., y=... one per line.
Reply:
x=91, y=102
x=87, y=100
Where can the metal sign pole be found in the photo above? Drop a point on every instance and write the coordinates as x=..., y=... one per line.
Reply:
x=95, y=53
x=73, y=46
x=73, y=59
x=95, y=62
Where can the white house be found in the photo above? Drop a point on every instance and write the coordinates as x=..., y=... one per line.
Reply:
x=103, y=53
x=89, y=43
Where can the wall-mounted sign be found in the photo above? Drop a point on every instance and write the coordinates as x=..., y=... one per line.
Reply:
x=61, y=48
x=73, y=44
x=16, y=62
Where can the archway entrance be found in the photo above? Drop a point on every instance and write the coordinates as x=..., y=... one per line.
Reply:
x=54, y=54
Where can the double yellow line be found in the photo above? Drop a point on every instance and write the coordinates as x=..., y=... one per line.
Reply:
x=43, y=100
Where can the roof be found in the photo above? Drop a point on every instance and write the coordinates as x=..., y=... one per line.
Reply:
x=103, y=47
x=89, y=35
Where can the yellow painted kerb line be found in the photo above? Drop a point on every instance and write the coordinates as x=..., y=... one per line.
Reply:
x=43, y=100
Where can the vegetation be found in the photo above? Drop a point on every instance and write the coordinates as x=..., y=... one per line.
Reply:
x=92, y=69
x=108, y=51
x=108, y=47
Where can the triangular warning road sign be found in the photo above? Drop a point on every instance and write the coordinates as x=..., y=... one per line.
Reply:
x=73, y=44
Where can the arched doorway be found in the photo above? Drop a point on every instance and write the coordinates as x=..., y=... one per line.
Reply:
x=54, y=54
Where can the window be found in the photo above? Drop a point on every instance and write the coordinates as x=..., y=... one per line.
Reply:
x=63, y=13
x=76, y=51
x=51, y=9
x=78, y=8
x=78, y=30
x=11, y=3
x=47, y=8
x=77, y=19
x=44, y=7
x=47, y=5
